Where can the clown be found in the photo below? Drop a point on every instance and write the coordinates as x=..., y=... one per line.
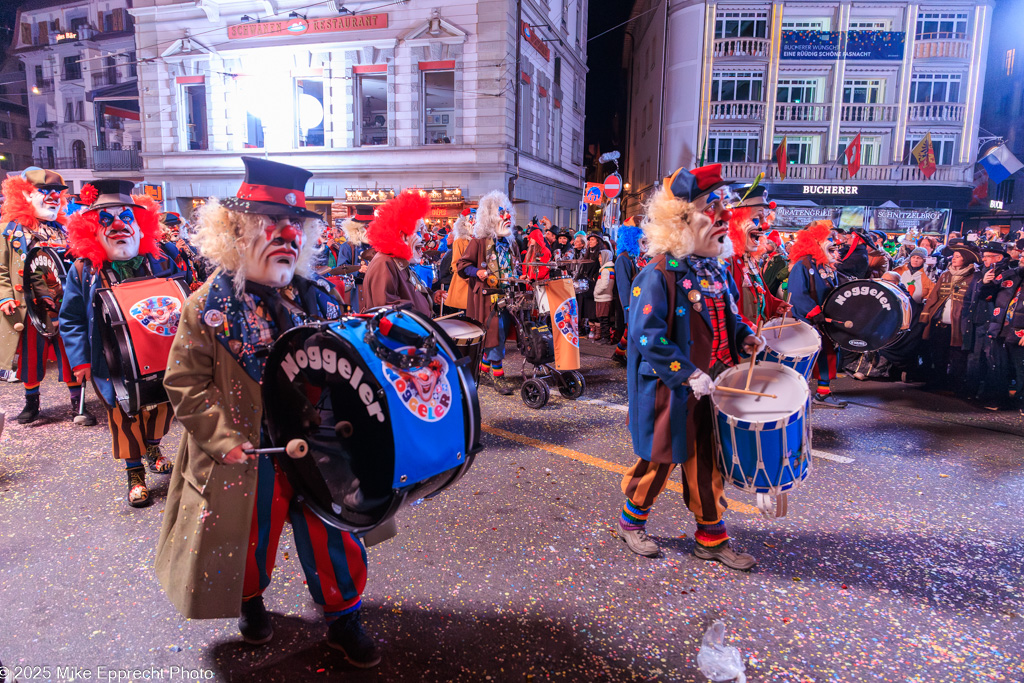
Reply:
x=684, y=329
x=812, y=277
x=631, y=259
x=180, y=250
x=355, y=252
x=226, y=506
x=746, y=230
x=490, y=256
x=33, y=214
x=116, y=237
x=461, y=234
x=395, y=236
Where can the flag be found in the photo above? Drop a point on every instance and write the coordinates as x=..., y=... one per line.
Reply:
x=782, y=158
x=1000, y=164
x=980, y=191
x=924, y=154
x=853, y=156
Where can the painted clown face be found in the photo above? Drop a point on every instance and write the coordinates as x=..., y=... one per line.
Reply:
x=712, y=231
x=118, y=232
x=45, y=203
x=504, y=222
x=831, y=250
x=273, y=255
x=415, y=242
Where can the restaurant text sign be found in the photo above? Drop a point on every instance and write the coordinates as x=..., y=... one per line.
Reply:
x=297, y=26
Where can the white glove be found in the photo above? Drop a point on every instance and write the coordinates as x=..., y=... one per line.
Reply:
x=753, y=344
x=700, y=384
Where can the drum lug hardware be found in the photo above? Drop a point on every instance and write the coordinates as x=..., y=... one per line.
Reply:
x=403, y=478
x=458, y=456
x=343, y=429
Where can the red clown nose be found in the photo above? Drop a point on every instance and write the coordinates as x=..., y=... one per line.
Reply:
x=290, y=233
x=726, y=214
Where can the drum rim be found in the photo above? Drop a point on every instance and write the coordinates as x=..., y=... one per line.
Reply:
x=804, y=326
x=763, y=424
x=906, y=315
x=55, y=257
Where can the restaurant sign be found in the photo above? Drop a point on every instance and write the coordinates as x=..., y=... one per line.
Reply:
x=297, y=26
x=859, y=217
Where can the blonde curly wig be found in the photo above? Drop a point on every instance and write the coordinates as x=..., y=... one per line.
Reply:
x=224, y=236
x=355, y=231
x=487, y=220
x=672, y=224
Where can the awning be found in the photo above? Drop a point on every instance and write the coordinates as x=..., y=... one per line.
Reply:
x=127, y=91
x=120, y=113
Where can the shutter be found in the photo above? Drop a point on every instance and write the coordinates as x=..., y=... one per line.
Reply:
x=44, y=36
x=26, y=33
x=118, y=19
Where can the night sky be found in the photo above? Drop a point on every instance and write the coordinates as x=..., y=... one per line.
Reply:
x=606, y=81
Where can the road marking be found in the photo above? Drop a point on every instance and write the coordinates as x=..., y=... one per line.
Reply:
x=832, y=456
x=603, y=404
x=598, y=462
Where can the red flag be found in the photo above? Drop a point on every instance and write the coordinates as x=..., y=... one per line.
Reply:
x=980, y=191
x=782, y=158
x=924, y=154
x=853, y=156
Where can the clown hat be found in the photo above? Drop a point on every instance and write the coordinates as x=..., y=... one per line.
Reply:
x=691, y=185
x=272, y=189
x=107, y=192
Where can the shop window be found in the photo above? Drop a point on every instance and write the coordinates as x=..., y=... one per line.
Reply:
x=801, y=149
x=195, y=119
x=309, y=103
x=935, y=88
x=942, y=145
x=737, y=85
x=731, y=147
x=941, y=25
x=438, y=107
x=72, y=68
x=863, y=91
x=373, y=109
x=798, y=90
x=741, y=25
x=870, y=149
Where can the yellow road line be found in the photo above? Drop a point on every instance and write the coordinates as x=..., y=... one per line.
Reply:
x=597, y=462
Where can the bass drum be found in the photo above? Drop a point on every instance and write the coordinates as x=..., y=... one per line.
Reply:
x=390, y=417
x=45, y=273
x=867, y=315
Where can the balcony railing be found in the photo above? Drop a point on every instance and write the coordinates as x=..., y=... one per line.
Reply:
x=942, y=45
x=742, y=47
x=117, y=159
x=737, y=110
x=787, y=111
x=893, y=173
x=870, y=113
x=58, y=163
x=104, y=78
x=938, y=112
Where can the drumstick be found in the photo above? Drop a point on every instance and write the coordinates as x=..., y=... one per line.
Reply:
x=845, y=323
x=450, y=315
x=796, y=323
x=296, y=448
x=778, y=331
x=753, y=357
x=731, y=390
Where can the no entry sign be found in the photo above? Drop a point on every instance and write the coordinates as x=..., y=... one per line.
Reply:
x=612, y=185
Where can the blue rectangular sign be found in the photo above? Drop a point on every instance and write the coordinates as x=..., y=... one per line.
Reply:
x=810, y=45
x=886, y=45
x=878, y=45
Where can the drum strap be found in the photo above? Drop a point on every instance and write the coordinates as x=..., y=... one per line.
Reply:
x=812, y=284
x=670, y=285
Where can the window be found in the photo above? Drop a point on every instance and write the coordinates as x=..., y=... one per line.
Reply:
x=438, y=107
x=1010, y=55
x=941, y=144
x=72, y=68
x=1004, y=191
x=870, y=149
x=807, y=24
x=801, y=149
x=110, y=69
x=650, y=114
x=6, y=130
x=309, y=114
x=738, y=85
x=133, y=70
x=862, y=91
x=556, y=135
x=373, y=109
x=741, y=25
x=558, y=71
x=78, y=154
x=735, y=147
x=526, y=120
x=194, y=109
x=798, y=90
x=937, y=25
x=69, y=111
x=79, y=111
x=870, y=24
x=254, y=99
x=643, y=121
x=935, y=88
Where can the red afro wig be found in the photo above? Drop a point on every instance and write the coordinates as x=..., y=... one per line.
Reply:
x=739, y=224
x=17, y=209
x=808, y=242
x=396, y=220
x=85, y=225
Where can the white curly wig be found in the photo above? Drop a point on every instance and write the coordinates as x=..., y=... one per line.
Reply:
x=223, y=236
x=463, y=229
x=487, y=220
x=673, y=226
x=355, y=231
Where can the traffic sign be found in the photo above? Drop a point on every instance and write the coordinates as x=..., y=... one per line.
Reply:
x=583, y=213
x=592, y=193
x=612, y=185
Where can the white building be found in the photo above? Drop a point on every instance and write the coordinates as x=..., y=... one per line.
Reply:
x=728, y=81
x=370, y=98
x=80, y=64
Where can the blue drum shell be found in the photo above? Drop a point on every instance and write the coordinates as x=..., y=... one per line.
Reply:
x=776, y=477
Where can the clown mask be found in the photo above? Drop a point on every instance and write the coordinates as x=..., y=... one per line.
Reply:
x=118, y=232
x=271, y=258
x=831, y=250
x=711, y=228
x=415, y=243
x=504, y=223
x=45, y=203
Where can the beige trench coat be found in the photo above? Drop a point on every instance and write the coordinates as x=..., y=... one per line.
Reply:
x=12, y=270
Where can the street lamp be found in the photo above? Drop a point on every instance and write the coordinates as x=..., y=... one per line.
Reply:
x=626, y=187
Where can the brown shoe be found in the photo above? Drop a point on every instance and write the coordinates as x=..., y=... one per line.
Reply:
x=726, y=555
x=138, y=493
x=639, y=542
x=157, y=462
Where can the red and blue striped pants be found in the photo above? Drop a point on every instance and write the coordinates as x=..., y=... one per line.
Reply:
x=32, y=348
x=333, y=561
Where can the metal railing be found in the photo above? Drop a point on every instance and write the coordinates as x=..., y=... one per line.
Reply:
x=116, y=159
x=742, y=47
x=57, y=163
x=737, y=110
x=938, y=112
x=104, y=78
x=962, y=174
x=788, y=111
x=955, y=48
x=870, y=113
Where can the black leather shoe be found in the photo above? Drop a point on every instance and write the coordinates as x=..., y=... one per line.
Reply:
x=254, y=622
x=346, y=635
x=31, y=410
x=81, y=417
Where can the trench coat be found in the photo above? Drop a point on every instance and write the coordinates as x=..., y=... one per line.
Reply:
x=480, y=254
x=458, y=291
x=387, y=283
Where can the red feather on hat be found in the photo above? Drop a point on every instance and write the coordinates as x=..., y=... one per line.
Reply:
x=394, y=221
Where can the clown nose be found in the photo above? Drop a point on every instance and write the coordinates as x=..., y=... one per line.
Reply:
x=726, y=214
x=290, y=233
x=772, y=205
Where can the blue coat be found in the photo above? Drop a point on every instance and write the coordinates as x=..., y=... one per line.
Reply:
x=661, y=409
x=83, y=341
x=625, y=272
x=806, y=306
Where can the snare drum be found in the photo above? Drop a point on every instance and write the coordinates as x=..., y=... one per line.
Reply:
x=389, y=416
x=45, y=273
x=795, y=346
x=763, y=444
x=867, y=315
x=138, y=319
x=469, y=340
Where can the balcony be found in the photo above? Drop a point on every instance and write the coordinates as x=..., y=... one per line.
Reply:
x=870, y=113
x=960, y=175
x=937, y=112
x=949, y=45
x=787, y=111
x=737, y=110
x=61, y=163
x=742, y=47
x=103, y=78
x=117, y=159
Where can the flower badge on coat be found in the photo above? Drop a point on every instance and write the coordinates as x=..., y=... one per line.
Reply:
x=687, y=283
x=674, y=366
x=680, y=310
x=636, y=292
x=647, y=309
x=643, y=340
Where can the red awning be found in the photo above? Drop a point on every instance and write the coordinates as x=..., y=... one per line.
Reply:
x=121, y=113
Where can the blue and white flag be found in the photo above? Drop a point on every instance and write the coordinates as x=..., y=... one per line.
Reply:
x=1000, y=164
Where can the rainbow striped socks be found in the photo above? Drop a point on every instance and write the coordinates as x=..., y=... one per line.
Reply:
x=711, y=535
x=633, y=516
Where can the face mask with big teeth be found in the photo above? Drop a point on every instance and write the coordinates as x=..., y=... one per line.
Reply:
x=45, y=203
x=119, y=233
x=712, y=231
x=273, y=255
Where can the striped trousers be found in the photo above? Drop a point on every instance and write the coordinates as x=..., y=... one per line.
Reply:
x=129, y=435
x=826, y=367
x=32, y=349
x=333, y=561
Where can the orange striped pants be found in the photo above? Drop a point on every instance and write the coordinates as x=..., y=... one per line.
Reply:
x=128, y=435
x=703, y=486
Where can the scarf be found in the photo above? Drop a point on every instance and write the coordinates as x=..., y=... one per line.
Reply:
x=711, y=273
x=126, y=269
x=275, y=309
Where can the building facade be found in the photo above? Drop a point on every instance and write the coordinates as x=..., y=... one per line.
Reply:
x=729, y=81
x=81, y=71
x=15, y=138
x=373, y=100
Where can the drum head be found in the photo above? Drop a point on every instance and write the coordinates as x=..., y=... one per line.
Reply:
x=789, y=387
x=45, y=272
x=867, y=315
x=460, y=328
x=798, y=341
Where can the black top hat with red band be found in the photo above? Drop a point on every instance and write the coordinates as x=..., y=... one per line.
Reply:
x=271, y=189
x=690, y=185
x=106, y=192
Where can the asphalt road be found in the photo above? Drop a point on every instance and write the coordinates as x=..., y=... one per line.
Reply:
x=900, y=559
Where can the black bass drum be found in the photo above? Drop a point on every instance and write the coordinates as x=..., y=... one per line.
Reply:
x=45, y=273
x=867, y=315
